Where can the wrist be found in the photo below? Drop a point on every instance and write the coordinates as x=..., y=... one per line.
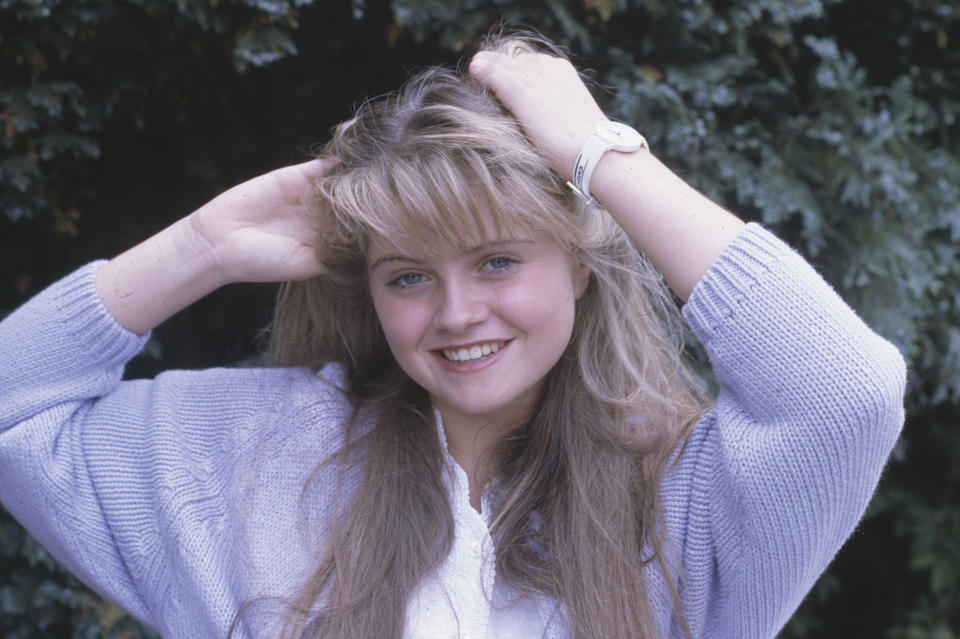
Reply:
x=639, y=168
x=201, y=253
x=606, y=138
x=153, y=280
x=673, y=224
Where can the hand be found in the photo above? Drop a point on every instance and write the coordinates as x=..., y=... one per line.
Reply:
x=547, y=97
x=658, y=210
x=257, y=230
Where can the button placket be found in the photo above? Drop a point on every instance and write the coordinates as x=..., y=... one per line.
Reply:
x=468, y=574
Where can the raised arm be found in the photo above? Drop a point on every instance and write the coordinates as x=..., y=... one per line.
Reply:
x=254, y=232
x=776, y=475
x=112, y=476
x=657, y=209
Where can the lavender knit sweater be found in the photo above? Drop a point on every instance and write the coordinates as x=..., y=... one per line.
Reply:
x=179, y=498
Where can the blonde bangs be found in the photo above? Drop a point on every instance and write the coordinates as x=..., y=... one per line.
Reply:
x=455, y=176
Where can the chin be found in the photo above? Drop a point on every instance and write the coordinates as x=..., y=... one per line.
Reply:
x=513, y=408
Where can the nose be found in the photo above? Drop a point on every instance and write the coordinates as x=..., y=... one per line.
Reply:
x=461, y=305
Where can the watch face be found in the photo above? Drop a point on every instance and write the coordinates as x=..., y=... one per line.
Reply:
x=619, y=136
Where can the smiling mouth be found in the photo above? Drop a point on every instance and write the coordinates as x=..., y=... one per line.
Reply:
x=473, y=353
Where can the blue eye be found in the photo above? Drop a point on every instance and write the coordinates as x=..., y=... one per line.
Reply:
x=408, y=279
x=499, y=263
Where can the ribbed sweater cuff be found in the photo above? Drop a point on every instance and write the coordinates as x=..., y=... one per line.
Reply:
x=88, y=322
x=742, y=266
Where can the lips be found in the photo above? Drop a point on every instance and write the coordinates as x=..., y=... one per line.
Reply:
x=471, y=353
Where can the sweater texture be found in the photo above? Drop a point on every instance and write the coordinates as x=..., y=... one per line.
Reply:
x=182, y=497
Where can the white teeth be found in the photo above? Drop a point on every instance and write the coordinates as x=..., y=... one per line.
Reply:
x=472, y=353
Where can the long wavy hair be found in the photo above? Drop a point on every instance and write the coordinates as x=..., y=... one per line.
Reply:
x=579, y=515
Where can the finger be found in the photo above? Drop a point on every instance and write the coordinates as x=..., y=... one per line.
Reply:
x=485, y=63
x=289, y=184
x=480, y=67
x=316, y=167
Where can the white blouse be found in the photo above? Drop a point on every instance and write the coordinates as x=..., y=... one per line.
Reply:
x=464, y=599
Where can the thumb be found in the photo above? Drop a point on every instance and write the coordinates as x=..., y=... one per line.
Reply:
x=482, y=65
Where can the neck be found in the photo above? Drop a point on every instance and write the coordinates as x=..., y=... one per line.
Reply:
x=470, y=441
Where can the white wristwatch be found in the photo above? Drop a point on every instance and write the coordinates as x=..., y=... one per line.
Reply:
x=607, y=136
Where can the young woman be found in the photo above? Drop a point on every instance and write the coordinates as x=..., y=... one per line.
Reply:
x=479, y=424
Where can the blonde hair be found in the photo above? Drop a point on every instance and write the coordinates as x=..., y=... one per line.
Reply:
x=580, y=513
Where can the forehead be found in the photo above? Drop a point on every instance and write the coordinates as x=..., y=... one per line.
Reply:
x=435, y=246
x=462, y=232
x=442, y=225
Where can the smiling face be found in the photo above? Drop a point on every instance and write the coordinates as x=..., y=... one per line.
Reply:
x=480, y=328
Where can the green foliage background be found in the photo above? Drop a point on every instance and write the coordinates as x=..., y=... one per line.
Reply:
x=834, y=122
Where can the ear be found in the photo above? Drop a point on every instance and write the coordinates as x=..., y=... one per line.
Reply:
x=581, y=277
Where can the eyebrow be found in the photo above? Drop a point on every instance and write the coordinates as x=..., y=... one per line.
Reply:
x=486, y=246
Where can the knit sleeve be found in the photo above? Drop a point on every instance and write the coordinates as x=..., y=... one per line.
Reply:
x=59, y=352
x=777, y=475
x=131, y=484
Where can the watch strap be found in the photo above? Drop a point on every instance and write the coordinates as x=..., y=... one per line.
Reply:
x=593, y=149
x=590, y=155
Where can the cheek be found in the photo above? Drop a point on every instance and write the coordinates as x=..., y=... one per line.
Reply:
x=545, y=307
x=401, y=324
x=389, y=320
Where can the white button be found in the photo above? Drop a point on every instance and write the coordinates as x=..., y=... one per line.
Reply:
x=475, y=549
